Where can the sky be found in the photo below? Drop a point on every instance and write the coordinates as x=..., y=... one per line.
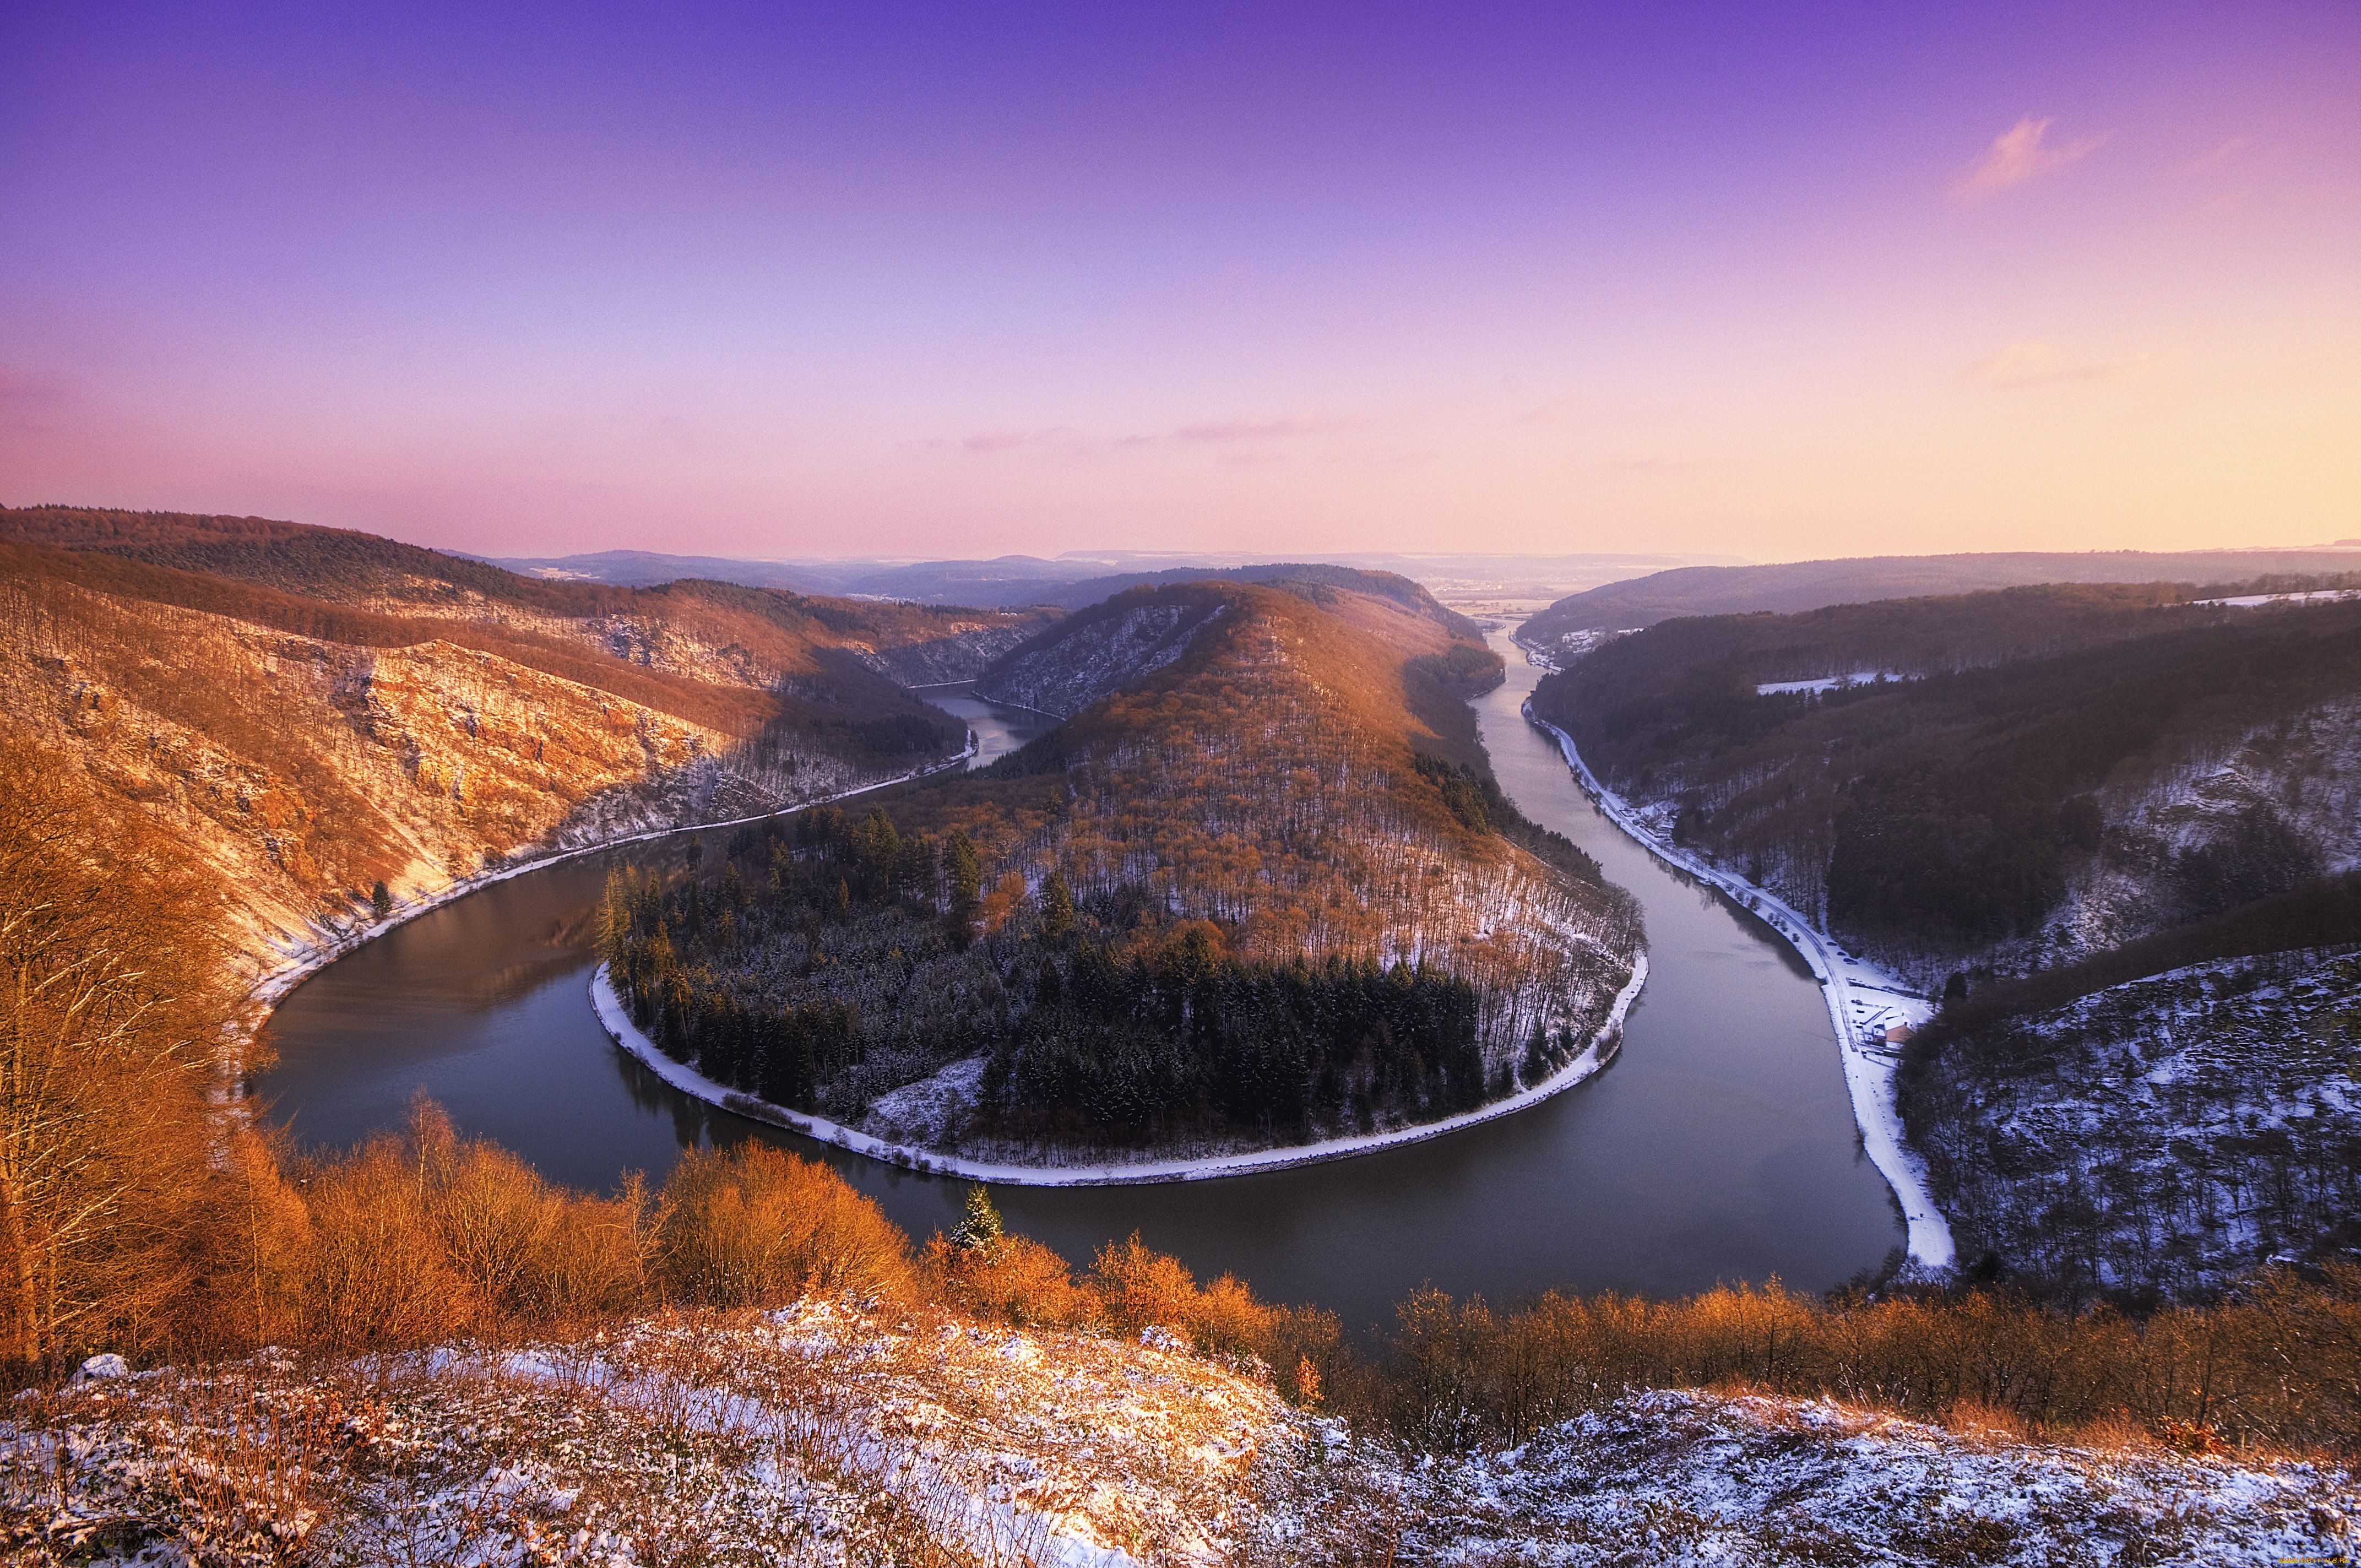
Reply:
x=1758, y=279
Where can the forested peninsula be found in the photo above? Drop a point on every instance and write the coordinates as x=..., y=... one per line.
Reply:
x=1260, y=892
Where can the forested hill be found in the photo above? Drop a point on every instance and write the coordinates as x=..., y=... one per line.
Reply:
x=1797, y=585
x=328, y=711
x=1262, y=891
x=1133, y=632
x=2064, y=769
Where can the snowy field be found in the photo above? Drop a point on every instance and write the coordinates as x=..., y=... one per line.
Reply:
x=1829, y=682
x=2317, y=596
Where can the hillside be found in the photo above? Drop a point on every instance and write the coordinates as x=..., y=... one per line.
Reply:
x=303, y=713
x=724, y=632
x=1793, y=586
x=2056, y=772
x=2154, y=1137
x=1258, y=891
x=2088, y=819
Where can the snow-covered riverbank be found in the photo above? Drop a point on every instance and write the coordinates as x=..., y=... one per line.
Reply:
x=688, y=1081
x=1865, y=1005
x=300, y=961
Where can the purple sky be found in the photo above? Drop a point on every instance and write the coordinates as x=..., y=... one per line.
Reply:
x=1770, y=280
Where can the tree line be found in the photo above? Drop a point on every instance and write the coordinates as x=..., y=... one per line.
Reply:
x=830, y=944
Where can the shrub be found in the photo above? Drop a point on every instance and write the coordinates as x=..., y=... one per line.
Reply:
x=754, y=1226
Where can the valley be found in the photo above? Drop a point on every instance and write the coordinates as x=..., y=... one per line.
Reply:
x=1192, y=823
x=2110, y=831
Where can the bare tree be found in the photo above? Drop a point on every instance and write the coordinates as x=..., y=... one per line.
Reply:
x=107, y=1044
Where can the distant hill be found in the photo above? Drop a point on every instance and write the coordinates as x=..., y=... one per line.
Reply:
x=1083, y=577
x=647, y=568
x=1813, y=584
x=1257, y=889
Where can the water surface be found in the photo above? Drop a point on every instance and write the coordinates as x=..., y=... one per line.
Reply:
x=1718, y=1147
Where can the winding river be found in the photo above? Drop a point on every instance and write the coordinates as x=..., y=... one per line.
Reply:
x=1719, y=1146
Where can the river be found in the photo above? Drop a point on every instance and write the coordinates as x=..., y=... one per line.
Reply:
x=1719, y=1146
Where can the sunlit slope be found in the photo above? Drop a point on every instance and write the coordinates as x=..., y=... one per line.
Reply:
x=299, y=750
x=722, y=632
x=1269, y=778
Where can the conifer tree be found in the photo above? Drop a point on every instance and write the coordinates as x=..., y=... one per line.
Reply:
x=1057, y=908
x=381, y=900
x=964, y=870
x=979, y=1229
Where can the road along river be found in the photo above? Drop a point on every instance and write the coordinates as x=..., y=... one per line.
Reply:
x=1719, y=1145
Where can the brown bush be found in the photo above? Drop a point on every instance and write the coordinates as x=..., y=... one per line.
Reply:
x=1142, y=1288
x=1016, y=1279
x=2277, y=1366
x=754, y=1226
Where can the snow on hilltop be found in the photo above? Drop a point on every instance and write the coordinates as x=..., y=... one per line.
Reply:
x=826, y=1433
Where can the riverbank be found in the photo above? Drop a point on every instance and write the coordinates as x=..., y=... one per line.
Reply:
x=304, y=959
x=1865, y=1004
x=628, y=1036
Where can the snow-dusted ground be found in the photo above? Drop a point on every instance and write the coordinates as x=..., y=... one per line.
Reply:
x=2317, y=596
x=2166, y=1134
x=822, y=1433
x=626, y=1035
x=1681, y=1478
x=831, y=1433
x=1867, y=1006
x=1829, y=682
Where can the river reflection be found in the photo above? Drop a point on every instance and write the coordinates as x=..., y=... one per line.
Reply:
x=1718, y=1147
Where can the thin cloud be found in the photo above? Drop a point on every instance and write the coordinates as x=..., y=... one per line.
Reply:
x=2040, y=364
x=1283, y=429
x=2221, y=155
x=2021, y=153
x=1009, y=440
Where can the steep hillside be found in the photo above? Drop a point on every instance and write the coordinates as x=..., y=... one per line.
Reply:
x=2159, y=1136
x=2056, y=771
x=1797, y=585
x=424, y=718
x=1065, y=669
x=1262, y=891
